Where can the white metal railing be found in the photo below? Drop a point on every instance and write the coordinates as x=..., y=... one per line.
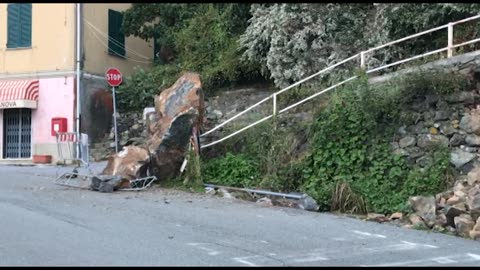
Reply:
x=362, y=55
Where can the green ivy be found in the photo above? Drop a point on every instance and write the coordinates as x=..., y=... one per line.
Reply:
x=232, y=170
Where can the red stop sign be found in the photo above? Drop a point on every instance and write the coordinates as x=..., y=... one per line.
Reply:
x=113, y=77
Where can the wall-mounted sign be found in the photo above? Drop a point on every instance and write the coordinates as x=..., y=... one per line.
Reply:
x=10, y=104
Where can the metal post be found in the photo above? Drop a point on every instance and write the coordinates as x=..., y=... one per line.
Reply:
x=450, y=40
x=274, y=111
x=78, y=80
x=115, y=119
x=274, y=104
x=362, y=60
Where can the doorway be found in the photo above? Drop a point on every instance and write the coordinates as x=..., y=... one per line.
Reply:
x=17, y=133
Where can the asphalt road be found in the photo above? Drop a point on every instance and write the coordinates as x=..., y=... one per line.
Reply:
x=43, y=224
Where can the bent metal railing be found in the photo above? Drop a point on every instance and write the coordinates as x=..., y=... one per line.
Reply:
x=450, y=48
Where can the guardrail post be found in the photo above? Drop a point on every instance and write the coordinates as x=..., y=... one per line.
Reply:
x=450, y=41
x=362, y=60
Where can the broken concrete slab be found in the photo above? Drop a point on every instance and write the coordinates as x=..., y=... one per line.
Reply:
x=131, y=163
x=107, y=183
x=308, y=203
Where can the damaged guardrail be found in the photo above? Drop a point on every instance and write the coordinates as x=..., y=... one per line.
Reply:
x=305, y=201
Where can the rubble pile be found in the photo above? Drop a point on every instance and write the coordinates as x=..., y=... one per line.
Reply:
x=131, y=129
x=456, y=210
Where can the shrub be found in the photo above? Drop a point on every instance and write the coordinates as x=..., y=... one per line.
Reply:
x=139, y=89
x=232, y=170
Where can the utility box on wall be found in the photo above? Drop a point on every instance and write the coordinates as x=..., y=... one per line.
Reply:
x=59, y=124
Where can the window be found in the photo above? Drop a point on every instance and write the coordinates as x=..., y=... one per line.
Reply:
x=19, y=25
x=116, y=40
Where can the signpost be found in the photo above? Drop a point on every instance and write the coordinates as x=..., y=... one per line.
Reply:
x=114, y=79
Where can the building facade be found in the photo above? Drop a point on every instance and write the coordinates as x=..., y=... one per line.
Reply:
x=38, y=45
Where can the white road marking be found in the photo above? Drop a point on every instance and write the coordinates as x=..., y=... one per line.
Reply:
x=443, y=260
x=339, y=239
x=369, y=234
x=263, y=241
x=415, y=244
x=312, y=256
x=474, y=256
x=210, y=251
x=440, y=260
x=312, y=259
x=244, y=261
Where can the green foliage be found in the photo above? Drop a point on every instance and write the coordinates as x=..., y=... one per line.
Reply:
x=192, y=177
x=423, y=83
x=350, y=165
x=139, y=89
x=208, y=45
x=161, y=20
x=203, y=39
x=232, y=170
x=292, y=41
x=350, y=143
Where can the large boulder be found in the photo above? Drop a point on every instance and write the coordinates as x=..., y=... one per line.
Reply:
x=130, y=163
x=179, y=116
x=175, y=124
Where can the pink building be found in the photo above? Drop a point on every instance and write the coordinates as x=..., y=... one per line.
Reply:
x=38, y=72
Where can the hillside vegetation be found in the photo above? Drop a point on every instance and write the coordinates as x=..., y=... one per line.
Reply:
x=343, y=158
x=231, y=44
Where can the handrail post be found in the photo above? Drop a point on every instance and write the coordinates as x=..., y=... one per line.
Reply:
x=362, y=60
x=274, y=104
x=274, y=97
x=450, y=40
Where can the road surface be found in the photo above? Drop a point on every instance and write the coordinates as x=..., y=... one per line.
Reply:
x=43, y=224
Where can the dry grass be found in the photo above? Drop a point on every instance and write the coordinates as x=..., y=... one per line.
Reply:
x=345, y=200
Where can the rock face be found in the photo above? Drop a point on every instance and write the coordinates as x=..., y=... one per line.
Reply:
x=177, y=119
x=179, y=111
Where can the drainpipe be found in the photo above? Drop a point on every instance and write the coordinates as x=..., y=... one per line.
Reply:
x=78, y=32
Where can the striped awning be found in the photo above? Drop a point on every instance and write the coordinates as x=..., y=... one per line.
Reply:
x=19, y=94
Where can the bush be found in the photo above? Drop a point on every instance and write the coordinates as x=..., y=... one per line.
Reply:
x=139, y=89
x=349, y=165
x=350, y=143
x=232, y=170
x=208, y=45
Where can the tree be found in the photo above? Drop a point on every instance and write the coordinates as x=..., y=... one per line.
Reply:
x=292, y=41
